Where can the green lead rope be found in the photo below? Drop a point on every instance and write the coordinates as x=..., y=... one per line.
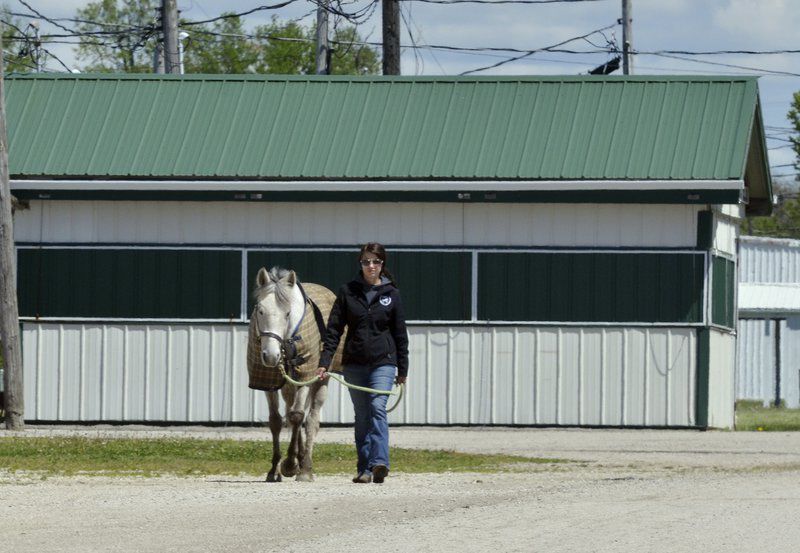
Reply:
x=341, y=380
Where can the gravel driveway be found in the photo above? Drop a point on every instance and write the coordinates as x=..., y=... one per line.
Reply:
x=629, y=490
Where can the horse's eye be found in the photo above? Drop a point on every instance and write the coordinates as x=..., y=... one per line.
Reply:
x=260, y=310
x=287, y=316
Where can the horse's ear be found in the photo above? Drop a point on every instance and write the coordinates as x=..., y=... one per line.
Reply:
x=262, y=279
x=291, y=278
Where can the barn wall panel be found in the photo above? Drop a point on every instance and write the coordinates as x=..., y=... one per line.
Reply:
x=755, y=369
x=468, y=375
x=755, y=374
x=347, y=223
x=590, y=286
x=790, y=362
x=766, y=260
x=721, y=397
x=726, y=227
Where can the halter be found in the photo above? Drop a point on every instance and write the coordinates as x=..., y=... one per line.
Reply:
x=288, y=346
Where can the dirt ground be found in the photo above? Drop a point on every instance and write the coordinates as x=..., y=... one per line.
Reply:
x=628, y=490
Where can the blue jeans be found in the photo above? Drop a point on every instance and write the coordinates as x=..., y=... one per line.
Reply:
x=371, y=426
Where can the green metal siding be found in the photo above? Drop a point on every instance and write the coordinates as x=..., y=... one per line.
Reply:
x=590, y=287
x=276, y=127
x=703, y=376
x=134, y=284
x=705, y=229
x=433, y=285
x=328, y=268
x=722, y=292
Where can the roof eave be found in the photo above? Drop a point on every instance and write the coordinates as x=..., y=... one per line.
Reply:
x=757, y=177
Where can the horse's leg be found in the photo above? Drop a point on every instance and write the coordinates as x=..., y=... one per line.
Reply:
x=319, y=392
x=290, y=464
x=275, y=423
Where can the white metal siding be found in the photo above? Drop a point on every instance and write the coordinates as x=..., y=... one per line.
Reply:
x=415, y=224
x=769, y=260
x=471, y=375
x=721, y=386
x=727, y=219
x=755, y=371
x=790, y=362
x=755, y=365
x=725, y=234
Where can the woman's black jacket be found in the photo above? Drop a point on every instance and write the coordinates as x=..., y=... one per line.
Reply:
x=376, y=333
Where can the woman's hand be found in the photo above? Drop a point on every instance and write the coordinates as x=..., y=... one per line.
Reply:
x=322, y=373
x=400, y=380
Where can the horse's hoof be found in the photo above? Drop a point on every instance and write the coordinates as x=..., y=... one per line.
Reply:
x=305, y=477
x=288, y=469
x=272, y=477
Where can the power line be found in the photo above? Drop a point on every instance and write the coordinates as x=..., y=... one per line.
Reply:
x=491, y=2
x=7, y=58
x=779, y=138
x=770, y=71
x=725, y=52
x=128, y=29
x=109, y=31
x=531, y=52
x=419, y=62
x=239, y=14
x=485, y=51
x=677, y=70
x=42, y=16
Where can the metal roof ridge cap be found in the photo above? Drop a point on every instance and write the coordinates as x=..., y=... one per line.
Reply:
x=373, y=78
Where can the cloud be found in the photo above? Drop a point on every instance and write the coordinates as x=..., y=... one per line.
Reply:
x=765, y=23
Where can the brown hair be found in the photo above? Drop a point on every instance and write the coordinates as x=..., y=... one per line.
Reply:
x=378, y=250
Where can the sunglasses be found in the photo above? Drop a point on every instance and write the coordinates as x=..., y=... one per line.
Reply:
x=368, y=262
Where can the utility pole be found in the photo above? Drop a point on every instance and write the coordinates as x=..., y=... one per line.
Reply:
x=322, y=39
x=169, y=23
x=627, y=38
x=391, y=37
x=9, y=311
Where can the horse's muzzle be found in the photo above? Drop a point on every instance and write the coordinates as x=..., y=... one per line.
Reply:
x=266, y=361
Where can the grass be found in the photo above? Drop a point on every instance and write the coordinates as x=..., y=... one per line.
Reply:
x=753, y=416
x=192, y=457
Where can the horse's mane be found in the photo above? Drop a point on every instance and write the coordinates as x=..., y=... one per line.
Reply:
x=276, y=286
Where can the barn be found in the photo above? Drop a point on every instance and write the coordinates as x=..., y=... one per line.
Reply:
x=768, y=361
x=566, y=246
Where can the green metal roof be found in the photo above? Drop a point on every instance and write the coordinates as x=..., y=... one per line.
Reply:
x=301, y=127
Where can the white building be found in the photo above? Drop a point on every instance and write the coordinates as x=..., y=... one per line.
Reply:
x=768, y=367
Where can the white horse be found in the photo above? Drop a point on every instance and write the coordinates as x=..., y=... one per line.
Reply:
x=282, y=310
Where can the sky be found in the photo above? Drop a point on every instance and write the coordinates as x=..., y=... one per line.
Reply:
x=658, y=25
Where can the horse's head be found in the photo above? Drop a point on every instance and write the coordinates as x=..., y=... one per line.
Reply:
x=276, y=297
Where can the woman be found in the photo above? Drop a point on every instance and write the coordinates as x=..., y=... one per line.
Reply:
x=375, y=349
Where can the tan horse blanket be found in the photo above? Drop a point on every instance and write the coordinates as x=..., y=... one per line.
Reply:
x=309, y=346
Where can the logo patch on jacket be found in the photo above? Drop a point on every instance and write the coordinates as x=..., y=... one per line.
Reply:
x=385, y=300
